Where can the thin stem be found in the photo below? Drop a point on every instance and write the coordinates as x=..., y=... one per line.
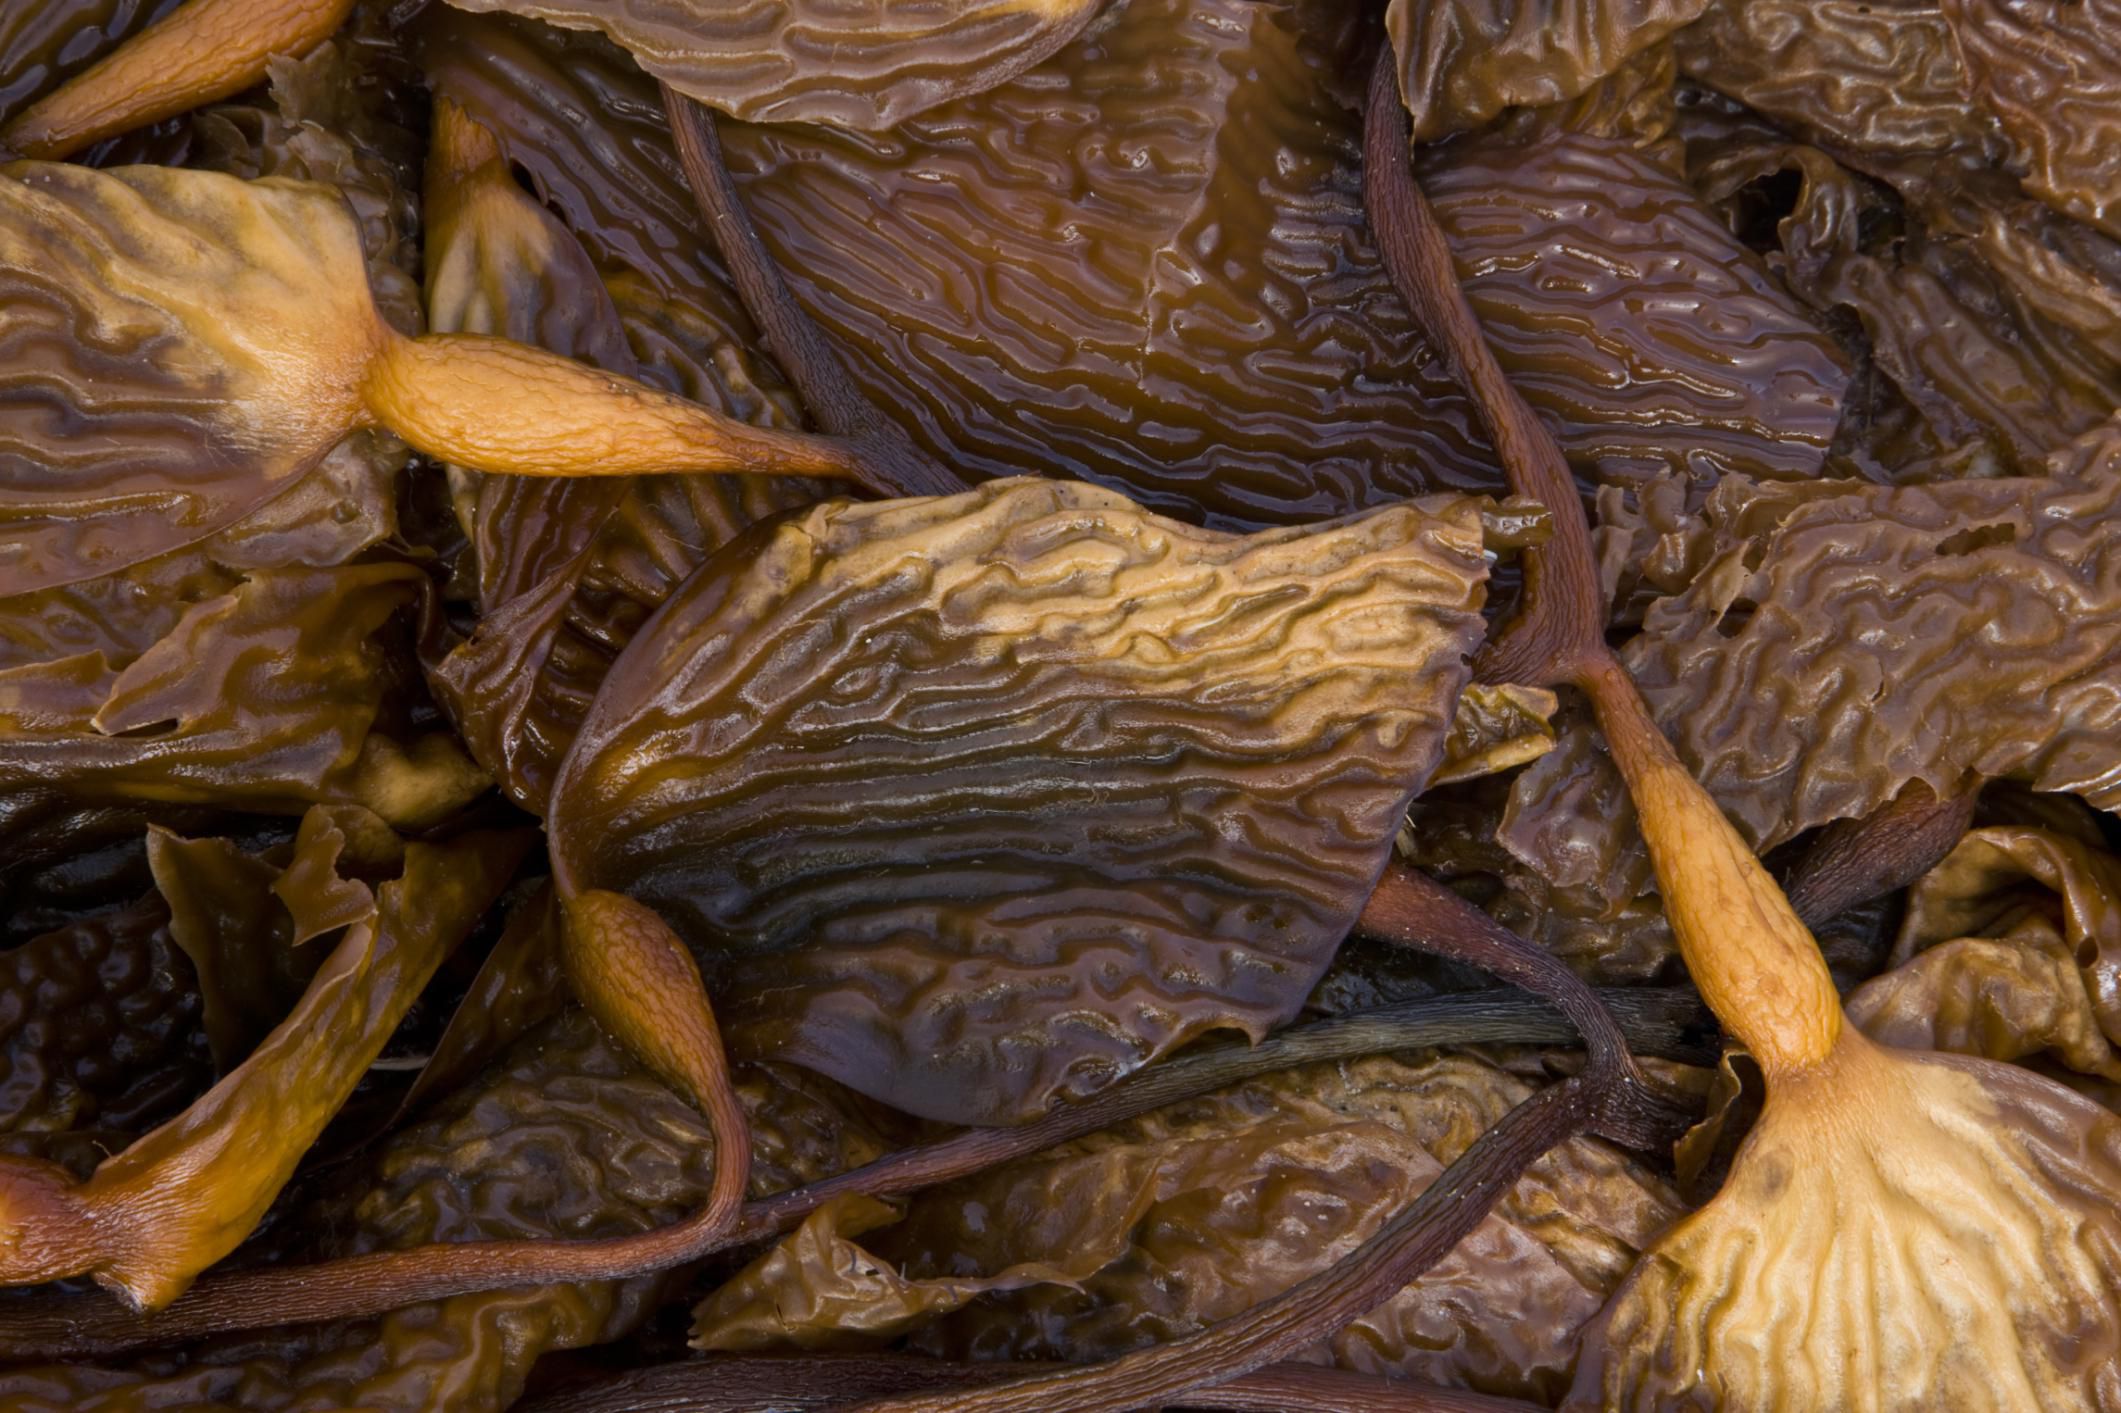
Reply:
x=199, y=54
x=1655, y=1022
x=897, y=466
x=1563, y=611
x=818, y=1381
x=1747, y=951
x=1855, y=860
x=1413, y=910
x=1415, y=1239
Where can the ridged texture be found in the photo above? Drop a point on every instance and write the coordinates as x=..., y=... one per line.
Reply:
x=2011, y=948
x=1144, y=263
x=348, y=114
x=41, y=46
x=1008, y=793
x=189, y=1192
x=1985, y=326
x=2050, y=71
x=1195, y=1213
x=1452, y=835
x=1903, y=1232
x=1979, y=367
x=192, y=339
x=1495, y=729
x=1880, y=76
x=99, y=1035
x=1822, y=660
x=562, y=1138
x=568, y=569
x=1626, y=311
x=856, y=63
x=1209, y=332
x=273, y=693
x=1461, y=62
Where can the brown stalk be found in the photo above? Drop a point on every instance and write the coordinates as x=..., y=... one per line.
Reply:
x=740, y=1385
x=1657, y=1022
x=1413, y=910
x=1416, y=1238
x=1855, y=860
x=895, y=465
x=1557, y=638
x=1775, y=993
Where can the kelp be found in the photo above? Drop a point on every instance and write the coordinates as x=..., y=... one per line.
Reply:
x=1653, y=1023
x=738, y=1384
x=267, y=692
x=1462, y=63
x=41, y=46
x=151, y=1217
x=1946, y=634
x=1185, y=390
x=1883, y=76
x=347, y=114
x=988, y=802
x=202, y=51
x=561, y=1137
x=2050, y=74
x=1745, y=1300
x=567, y=570
x=1087, y=738
x=1151, y=1230
x=1626, y=310
x=995, y=376
x=1980, y=309
x=130, y=1053
x=2009, y=950
x=814, y=61
x=246, y=344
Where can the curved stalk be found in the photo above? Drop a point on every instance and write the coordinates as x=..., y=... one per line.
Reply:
x=1558, y=620
x=1971, y=1203
x=1745, y=947
x=1655, y=1022
x=1411, y=909
x=205, y=51
x=643, y=986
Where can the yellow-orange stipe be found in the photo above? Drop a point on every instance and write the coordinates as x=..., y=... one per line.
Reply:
x=641, y=984
x=1753, y=960
x=634, y=975
x=184, y=1195
x=493, y=405
x=205, y=51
